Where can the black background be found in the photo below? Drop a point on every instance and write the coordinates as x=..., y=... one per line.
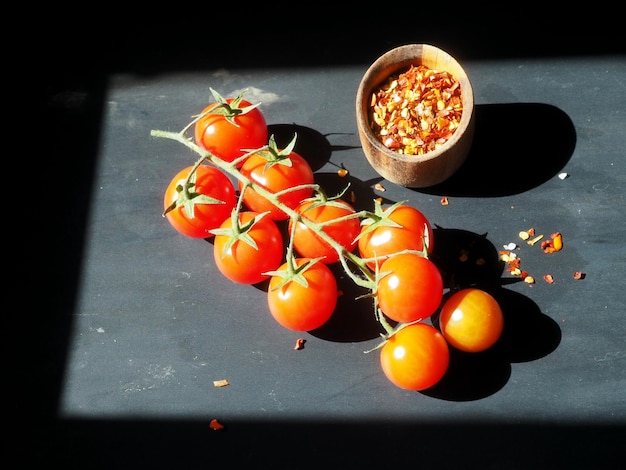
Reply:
x=69, y=57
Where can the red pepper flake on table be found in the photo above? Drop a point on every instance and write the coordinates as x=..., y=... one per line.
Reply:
x=216, y=425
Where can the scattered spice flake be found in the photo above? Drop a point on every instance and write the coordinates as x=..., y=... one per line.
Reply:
x=578, y=275
x=514, y=263
x=342, y=172
x=529, y=280
x=507, y=256
x=563, y=175
x=532, y=241
x=379, y=187
x=524, y=235
x=531, y=232
x=299, y=344
x=220, y=383
x=216, y=425
x=444, y=201
x=553, y=245
x=548, y=278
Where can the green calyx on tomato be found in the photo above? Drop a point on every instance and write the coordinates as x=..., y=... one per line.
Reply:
x=197, y=199
x=246, y=246
x=332, y=217
x=230, y=109
x=228, y=126
x=239, y=230
x=302, y=294
x=285, y=174
x=188, y=199
x=397, y=228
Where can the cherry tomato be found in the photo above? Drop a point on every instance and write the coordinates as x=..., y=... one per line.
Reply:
x=309, y=244
x=240, y=262
x=416, y=357
x=410, y=288
x=275, y=176
x=302, y=308
x=229, y=140
x=471, y=320
x=385, y=239
x=209, y=181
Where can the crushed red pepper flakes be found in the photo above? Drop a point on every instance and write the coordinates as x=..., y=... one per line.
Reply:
x=417, y=111
x=221, y=383
x=578, y=275
x=216, y=425
x=554, y=244
x=548, y=278
x=299, y=344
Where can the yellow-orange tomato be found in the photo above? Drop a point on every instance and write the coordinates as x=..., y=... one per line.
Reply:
x=471, y=320
x=416, y=357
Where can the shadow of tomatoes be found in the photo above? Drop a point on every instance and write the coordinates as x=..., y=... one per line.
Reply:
x=466, y=260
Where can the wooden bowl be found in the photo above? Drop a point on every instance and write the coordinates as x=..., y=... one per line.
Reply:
x=435, y=166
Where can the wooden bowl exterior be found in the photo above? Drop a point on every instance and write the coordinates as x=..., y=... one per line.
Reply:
x=415, y=171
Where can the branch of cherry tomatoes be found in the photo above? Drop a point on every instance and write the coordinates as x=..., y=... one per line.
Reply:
x=388, y=246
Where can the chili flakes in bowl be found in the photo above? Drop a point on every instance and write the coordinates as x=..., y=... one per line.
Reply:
x=417, y=111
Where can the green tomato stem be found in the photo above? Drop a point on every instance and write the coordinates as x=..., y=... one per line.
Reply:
x=367, y=281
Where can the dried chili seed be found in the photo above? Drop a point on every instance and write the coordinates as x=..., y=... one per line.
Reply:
x=379, y=187
x=342, y=172
x=529, y=280
x=579, y=275
x=299, y=344
x=548, y=278
x=417, y=111
x=220, y=383
x=444, y=201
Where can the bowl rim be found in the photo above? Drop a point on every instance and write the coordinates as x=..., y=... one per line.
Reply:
x=380, y=66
